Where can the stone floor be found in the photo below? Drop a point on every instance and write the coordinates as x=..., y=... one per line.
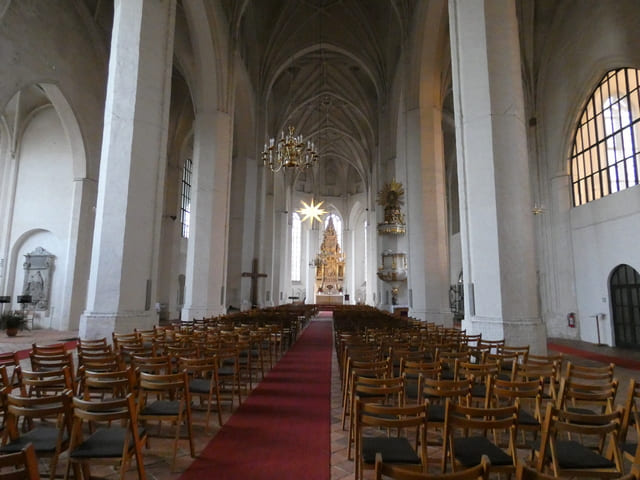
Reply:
x=158, y=457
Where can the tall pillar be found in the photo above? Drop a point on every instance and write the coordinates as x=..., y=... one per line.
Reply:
x=207, y=248
x=124, y=262
x=496, y=224
x=426, y=217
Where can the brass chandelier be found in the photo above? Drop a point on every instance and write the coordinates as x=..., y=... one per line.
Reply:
x=289, y=152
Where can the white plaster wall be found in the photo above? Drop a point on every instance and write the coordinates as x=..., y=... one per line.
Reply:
x=578, y=247
x=611, y=228
x=44, y=195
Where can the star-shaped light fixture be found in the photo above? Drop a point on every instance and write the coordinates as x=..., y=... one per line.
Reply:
x=311, y=211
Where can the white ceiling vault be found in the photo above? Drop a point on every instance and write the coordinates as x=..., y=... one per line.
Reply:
x=325, y=67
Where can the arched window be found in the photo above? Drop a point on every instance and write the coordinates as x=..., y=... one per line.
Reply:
x=607, y=141
x=296, y=247
x=185, y=197
x=337, y=224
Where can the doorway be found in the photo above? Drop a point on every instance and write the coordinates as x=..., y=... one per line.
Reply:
x=625, y=306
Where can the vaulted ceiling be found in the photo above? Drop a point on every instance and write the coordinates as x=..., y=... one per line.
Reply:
x=325, y=67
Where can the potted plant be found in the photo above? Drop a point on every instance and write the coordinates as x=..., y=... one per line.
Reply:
x=11, y=321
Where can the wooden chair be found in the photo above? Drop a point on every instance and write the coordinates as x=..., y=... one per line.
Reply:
x=411, y=371
x=480, y=374
x=114, y=436
x=22, y=465
x=528, y=395
x=631, y=419
x=449, y=361
x=382, y=391
x=359, y=369
x=437, y=392
x=204, y=383
x=398, y=472
x=228, y=373
x=596, y=455
x=471, y=432
x=164, y=398
x=394, y=447
x=549, y=371
x=44, y=422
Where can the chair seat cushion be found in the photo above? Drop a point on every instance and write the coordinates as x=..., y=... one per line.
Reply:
x=629, y=448
x=103, y=443
x=469, y=451
x=393, y=450
x=572, y=454
x=526, y=418
x=44, y=440
x=162, y=407
x=436, y=413
x=200, y=385
x=479, y=390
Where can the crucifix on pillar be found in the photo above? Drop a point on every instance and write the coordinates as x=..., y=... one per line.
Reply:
x=254, y=282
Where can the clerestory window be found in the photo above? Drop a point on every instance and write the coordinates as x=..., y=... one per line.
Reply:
x=605, y=149
x=296, y=247
x=185, y=197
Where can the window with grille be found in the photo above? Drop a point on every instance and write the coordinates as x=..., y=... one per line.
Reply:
x=605, y=149
x=185, y=197
x=296, y=247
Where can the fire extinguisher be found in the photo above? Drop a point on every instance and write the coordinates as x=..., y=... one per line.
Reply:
x=571, y=320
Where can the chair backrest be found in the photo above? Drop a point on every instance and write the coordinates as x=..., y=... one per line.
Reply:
x=174, y=385
x=596, y=397
x=438, y=391
x=113, y=384
x=590, y=374
x=49, y=349
x=51, y=361
x=47, y=382
x=528, y=392
x=160, y=364
x=398, y=472
x=22, y=465
x=94, y=345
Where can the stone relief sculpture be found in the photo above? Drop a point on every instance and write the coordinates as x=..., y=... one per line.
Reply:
x=37, y=277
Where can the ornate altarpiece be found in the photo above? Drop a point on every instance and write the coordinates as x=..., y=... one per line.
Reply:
x=329, y=264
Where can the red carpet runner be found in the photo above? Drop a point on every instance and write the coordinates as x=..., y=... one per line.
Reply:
x=282, y=431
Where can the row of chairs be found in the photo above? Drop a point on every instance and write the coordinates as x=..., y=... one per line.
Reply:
x=104, y=409
x=589, y=392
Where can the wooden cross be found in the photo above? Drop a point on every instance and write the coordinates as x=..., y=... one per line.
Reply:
x=254, y=282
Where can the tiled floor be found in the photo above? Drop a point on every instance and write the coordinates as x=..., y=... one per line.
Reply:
x=158, y=457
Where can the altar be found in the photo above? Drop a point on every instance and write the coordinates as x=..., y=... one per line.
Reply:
x=322, y=299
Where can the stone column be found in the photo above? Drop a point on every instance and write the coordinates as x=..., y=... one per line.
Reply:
x=426, y=212
x=121, y=293
x=496, y=225
x=207, y=248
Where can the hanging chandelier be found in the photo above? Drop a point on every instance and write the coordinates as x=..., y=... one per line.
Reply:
x=290, y=151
